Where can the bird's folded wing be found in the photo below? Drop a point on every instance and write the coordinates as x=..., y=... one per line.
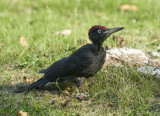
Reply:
x=69, y=66
x=60, y=68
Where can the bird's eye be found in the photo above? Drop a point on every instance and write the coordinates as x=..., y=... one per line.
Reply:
x=99, y=31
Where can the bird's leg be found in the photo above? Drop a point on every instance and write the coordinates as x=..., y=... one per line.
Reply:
x=80, y=83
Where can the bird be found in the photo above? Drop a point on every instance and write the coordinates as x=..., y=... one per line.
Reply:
x=81, y=64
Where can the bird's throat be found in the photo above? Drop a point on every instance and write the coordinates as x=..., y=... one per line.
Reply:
x=98, y=47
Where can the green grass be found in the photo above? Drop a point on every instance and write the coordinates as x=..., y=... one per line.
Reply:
x=119, y=91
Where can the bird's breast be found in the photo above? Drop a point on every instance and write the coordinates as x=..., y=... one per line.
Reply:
x=98, y=61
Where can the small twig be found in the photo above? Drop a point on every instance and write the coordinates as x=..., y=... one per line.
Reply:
x=58, y=86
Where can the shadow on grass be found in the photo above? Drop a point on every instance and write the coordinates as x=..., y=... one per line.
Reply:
x=35, y=102
x=16, y=88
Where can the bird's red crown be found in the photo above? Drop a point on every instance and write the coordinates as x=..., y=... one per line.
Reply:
x=96, y=26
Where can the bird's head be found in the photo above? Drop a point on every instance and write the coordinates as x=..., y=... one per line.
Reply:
x=98, y=34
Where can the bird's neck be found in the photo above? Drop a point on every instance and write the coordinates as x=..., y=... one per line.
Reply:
x=98, y=47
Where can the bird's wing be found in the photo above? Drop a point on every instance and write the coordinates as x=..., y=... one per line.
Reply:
x=59, y=68
x=73, y=65
x=45, y=70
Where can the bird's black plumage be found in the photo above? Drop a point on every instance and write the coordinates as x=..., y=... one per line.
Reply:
x=84, y=62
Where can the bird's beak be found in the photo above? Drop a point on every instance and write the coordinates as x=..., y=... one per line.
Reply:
x=113, y=30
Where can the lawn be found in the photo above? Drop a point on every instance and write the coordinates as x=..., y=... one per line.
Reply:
x=117, y=91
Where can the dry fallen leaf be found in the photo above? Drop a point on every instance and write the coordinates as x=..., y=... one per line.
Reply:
x=1, y=45
x=23, y=42
x=69, y=89
x=63, y=32
x=126, y=7
x=28, y=80
x=66, y=92
x=21, y=113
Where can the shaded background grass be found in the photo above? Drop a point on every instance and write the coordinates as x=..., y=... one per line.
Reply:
x=130, y=92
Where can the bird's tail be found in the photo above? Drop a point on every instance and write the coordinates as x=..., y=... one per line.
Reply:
x=40, y=82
